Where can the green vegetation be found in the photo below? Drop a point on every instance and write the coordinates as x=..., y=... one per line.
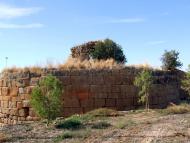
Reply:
x=123, y=123
x=74, y=122
x=186, y=82
x=108, y=49
x=101, y=125
x=82, y=134
x=46, y=98
x=144, y=82
x=170, y=60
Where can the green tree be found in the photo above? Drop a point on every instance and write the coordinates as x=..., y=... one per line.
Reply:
x=186, y=82
x=170, y=60
x=108, y=49
x=144, y=82
x=46, y=98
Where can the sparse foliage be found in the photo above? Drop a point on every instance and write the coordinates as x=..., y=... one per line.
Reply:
x=170, y=60
x=108, y=49
x=186, y=82
x=46, y=98
x=144, y=82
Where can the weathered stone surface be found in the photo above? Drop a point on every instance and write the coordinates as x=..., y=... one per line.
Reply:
x=84, y=90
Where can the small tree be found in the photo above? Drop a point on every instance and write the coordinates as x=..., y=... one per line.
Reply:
x=108, y=49
x=170, y=60
x=186, y=82
x=144, y=82
x=46, y=98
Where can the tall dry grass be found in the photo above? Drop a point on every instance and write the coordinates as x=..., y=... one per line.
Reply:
x=72, y=63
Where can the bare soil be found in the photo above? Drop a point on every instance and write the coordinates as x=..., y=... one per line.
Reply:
x=140, y=127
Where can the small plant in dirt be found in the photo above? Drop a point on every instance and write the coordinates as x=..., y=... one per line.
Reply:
x=144, y=82
x=170, y=60
x=108, y=49
x=101, y=125
x=74, y=122
x=46, y=98
x=186, y=82
x=82, y=134
x=123, y=123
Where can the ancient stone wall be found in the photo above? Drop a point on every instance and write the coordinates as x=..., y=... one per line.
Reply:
x=84, y=90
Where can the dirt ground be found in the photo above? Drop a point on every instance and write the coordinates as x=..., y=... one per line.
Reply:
x=141, y=127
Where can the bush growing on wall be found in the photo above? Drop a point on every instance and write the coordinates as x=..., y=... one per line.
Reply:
x=144, y=82
x=46, y=98
x=170, y=60
x=108, y=49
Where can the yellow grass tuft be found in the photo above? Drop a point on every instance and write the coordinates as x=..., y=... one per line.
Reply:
x=72, y=63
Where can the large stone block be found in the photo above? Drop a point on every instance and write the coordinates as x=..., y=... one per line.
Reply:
x=14, y=112
x=99, y=103
x=22, y=113
x=12, y=104
x=70, y=111
x=110, y=102
x=98, y=80
x=116, y=89
x=125, y=102
x=14, y=91
x=19, y=105
x=6, y=98
x=65, y=80
x=99, y=95
x=71, y=102
x=5, y=91
x=87, y=103
x=26, y=103
x=21, y=90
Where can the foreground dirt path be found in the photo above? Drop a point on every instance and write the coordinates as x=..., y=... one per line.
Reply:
x=149, y=129
x=146, y=128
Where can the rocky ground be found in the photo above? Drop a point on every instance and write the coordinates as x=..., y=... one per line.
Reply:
x=130, y=127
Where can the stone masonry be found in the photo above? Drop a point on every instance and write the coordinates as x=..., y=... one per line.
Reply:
x=84, y=90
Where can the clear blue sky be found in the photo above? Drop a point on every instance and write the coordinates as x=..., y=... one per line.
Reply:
x=34, y=31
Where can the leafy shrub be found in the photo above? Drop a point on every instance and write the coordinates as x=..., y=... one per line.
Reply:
x=108, y=49
x=46, y=98
x=170, y=60
x=101, y=125
x=144, y=82
x=74, y=122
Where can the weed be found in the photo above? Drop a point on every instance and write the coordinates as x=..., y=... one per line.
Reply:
x=101, y=125
x=124, y=123
x=74, y=122
x=72, y=134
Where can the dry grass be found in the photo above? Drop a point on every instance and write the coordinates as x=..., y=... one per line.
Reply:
x=72, y=63
x=178, y=109
x=145, y=65
x=104, y=112
x=76, y=64
x=14, y=69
